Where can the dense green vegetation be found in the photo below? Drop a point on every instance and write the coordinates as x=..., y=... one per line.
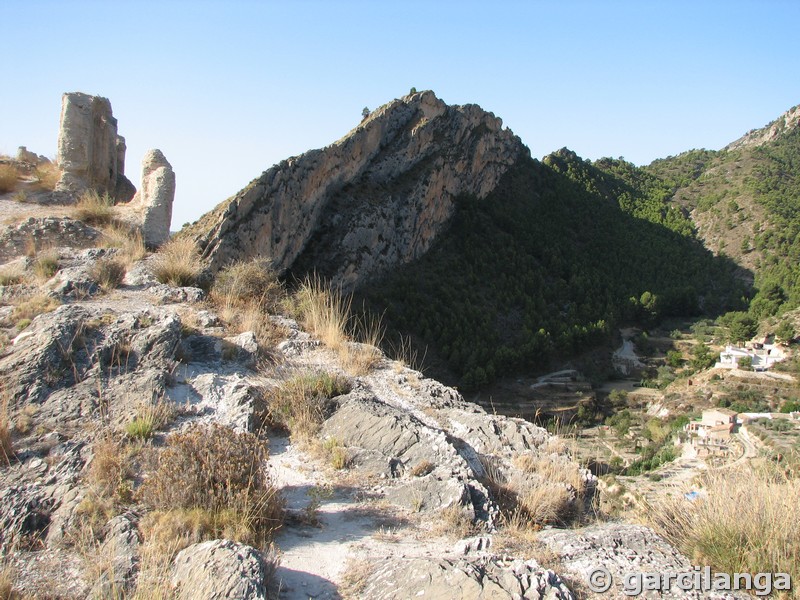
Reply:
x=549, y=264
x=776, y=185
x=755, y=189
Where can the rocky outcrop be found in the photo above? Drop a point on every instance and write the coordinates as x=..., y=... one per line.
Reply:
x=45, y=232
x=221, y=569
x=26, y=156
x=434, y=447
x=477, y=579
x=622, y=551
x=759, y=137
x=91, y=154
x=155, y=197
x=375, y=199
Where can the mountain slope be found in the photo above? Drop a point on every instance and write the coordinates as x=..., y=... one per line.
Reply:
x=546, y=266
x=495, y=261
x=745, y=203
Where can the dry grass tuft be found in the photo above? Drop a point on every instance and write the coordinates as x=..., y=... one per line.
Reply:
x=322, y=311
x=12, y=275
x=246, y=282
x=7, y=583
x=108, y=273
x=746, y=522
x=110, y=468
x=325, y=312
x=8, y=179
x=301, y=403
x=150, y=417
x=211, y=482
x=177, y=263
x=356, y=576
x=244, y=294
x=27, y=309
x=128, y=240
x=336, y=454
x=422, y=468
x=6, y=444
x=543, y=490
x=46, y=264
x=47, y=176
x=454, y=522
x=557, y=469
x=94, y=209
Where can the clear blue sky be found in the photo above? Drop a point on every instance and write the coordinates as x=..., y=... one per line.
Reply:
x=227, y=89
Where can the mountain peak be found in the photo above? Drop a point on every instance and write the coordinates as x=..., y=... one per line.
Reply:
x=374, y=199
x=758, y=137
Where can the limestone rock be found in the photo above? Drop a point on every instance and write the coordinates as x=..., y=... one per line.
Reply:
x=90, y=152
x=375, y=199
x=621, y=549
x=758, y=137
x=155, y=198
x=121, y=547
x=45, y=232
x=444, y=578
x=221, y=569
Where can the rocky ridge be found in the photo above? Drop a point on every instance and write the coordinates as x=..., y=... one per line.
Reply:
x=376, y=198
x=759, y=137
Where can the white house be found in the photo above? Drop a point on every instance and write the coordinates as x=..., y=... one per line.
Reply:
x=762, y=358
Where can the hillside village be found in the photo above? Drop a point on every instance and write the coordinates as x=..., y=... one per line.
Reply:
x=181, y=419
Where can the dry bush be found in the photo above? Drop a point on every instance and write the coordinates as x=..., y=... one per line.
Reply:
x=537, y=497
x=177, y=263
x=745, y=522
x=45, y=265
x=8, y=179
x=94, y=209
x=150, y=417
x=47, y=175
x=128, y=239
x=246, y=282
x=212, y=481
x=12, y=275
x=108, y=273
x=302, y=402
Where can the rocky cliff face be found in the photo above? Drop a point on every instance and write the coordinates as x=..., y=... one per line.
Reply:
x=91, y=154
x=376, y=198
x=758, y=137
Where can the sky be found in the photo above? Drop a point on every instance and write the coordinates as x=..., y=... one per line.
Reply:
x=228, y=89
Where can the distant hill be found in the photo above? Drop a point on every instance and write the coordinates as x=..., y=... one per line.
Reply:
x=499, y=263
x=745, y=203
